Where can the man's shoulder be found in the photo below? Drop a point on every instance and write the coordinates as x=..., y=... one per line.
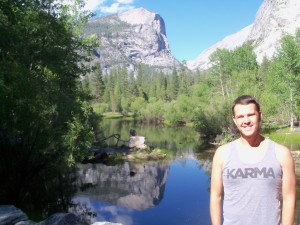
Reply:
x=282, y=152
x=279, y=147
x=224, y=150
x=228, y=145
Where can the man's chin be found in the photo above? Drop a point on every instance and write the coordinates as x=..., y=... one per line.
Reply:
x=249, y=133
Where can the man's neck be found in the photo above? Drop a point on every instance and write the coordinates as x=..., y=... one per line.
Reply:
x=253, y=141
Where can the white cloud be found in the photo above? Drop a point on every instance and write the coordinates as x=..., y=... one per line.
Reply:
x=119, y=6
x=125, y=1
x=93, y=5
x=110, y=9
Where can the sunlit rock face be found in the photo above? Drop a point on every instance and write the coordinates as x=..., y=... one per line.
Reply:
x=229, y=42
x=273, y=19
x=132, y=37
x=135, y=186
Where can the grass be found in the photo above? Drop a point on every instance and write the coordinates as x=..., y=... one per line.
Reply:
x=112, y=115
x=150, y=155
x=285, y=137
x=117, y=115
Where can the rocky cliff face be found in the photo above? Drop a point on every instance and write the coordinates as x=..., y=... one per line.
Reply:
x=132, y=37
x=273, y=19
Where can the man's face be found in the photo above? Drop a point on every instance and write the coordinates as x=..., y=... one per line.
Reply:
x=247, y=119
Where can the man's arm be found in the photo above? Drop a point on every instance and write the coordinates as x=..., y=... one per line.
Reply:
x=288, y=185
x=216, y=188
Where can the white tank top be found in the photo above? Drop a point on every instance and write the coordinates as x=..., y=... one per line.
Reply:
x=252, y=191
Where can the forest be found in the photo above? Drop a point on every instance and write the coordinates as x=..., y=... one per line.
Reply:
x=51, y=97
x=203, y=98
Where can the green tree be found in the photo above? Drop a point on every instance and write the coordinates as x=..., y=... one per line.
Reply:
x=154, y=111
x=214, y=119
x=45, y=119
x=282, y=82
x=185, y=82
x=244, y=59
x=221, y=69
x=173, y=85
x=98, y=84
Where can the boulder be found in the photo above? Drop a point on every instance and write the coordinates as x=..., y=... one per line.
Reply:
x=10, y=215
x=137, y=142
x=27, y=222
x=62, y=219
x=106, y=223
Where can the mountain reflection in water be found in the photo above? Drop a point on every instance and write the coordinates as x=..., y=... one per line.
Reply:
x=152, y=193
x=134, y=186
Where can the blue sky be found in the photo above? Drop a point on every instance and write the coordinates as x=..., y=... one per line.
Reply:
x=191, y=25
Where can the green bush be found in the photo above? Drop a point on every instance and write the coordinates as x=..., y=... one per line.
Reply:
x=212, y=120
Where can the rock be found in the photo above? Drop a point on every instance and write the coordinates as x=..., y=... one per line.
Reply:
x=62, y=219
x=273, y=19
x=10, y=215
x=28, y=222
x=106, y=223
x=137, y=142
x=130, y=38
x=230, y=42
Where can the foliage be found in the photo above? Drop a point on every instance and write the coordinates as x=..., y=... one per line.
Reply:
x=154, y=110
x=180, y=110
x=45, y=118
x=282, y=82
x=118, y=158
x=213, y=119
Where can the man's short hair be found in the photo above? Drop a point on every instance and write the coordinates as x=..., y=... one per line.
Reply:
x=245, y=100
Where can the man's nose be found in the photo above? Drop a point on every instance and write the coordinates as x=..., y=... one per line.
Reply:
x=246, y=119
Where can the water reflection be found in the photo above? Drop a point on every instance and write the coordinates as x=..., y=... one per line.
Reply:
x=175, y=193
x=134, y=186
x=176, y=139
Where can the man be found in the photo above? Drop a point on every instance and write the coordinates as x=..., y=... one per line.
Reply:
x=252, y=171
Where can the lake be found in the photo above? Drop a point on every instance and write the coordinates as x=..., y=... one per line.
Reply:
x=172, y=192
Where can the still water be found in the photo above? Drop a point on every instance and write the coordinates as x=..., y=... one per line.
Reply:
x=177, y=193
x=173, y=192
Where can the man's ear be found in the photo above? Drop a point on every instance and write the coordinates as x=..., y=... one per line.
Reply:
x=260, y=115
x=233, y=118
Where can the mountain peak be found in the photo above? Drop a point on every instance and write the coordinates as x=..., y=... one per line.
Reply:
x=141, y=16
x=273, y=19
x=133, y=37
x=137, y=16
